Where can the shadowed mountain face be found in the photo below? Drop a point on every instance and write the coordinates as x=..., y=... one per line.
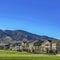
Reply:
x=19, y=35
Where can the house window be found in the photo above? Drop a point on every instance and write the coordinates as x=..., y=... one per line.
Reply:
x=47, y=45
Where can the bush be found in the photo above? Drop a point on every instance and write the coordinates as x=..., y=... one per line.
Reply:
x=53, y=52
x=19, y=50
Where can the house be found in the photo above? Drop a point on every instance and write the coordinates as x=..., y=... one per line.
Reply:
x=7, y=46
x=45, y=46
x=54, y=44
x=35, y=46
x=58, y=46
x=31, y=47
x=2, y=45
x=48, y=45
x=40, y=46
x=16, y=46
x=25, y=45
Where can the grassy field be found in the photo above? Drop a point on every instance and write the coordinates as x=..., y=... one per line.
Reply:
x=14, y=55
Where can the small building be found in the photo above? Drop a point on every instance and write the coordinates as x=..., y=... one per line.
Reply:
x=2, y=45
x=6, y=46
x=58, y=46
x=38, y=47
x=25, y=45
x=31, y=47
x=54, y=44
x=45, y=46
x=35, y=46
x=16, y=46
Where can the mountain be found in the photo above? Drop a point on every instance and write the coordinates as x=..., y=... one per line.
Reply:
x=8, y=36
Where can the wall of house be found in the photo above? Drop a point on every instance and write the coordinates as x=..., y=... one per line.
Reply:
x=31, y=47
x=58, y=47
x=45, y=46
x=53, y=46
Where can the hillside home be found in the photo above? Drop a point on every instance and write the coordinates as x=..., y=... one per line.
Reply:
x=45, y=46
x=24, y=45
x=16, y=46
x=58, y=46
x=48, y=45
x=2, y=45
x=54, y=44
x=35, y=46
x=7, y=46
x=38, y=47
x=31, y=47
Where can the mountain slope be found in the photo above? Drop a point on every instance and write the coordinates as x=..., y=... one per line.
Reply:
x=7, y=36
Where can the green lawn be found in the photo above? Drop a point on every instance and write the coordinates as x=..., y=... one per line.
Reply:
x=14, y=55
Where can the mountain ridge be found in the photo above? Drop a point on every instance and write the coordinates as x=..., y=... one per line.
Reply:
x=8, y=36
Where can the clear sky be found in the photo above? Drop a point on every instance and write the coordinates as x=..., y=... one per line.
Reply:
x=36, y=16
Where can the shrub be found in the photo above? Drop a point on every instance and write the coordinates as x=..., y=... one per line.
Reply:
x=53, y=52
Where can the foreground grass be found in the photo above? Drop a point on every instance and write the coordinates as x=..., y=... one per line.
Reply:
x=14, y=55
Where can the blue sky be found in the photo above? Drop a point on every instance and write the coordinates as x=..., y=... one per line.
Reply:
x=36, y=16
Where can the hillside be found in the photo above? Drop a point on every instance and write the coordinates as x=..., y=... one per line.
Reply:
x=7, y=36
